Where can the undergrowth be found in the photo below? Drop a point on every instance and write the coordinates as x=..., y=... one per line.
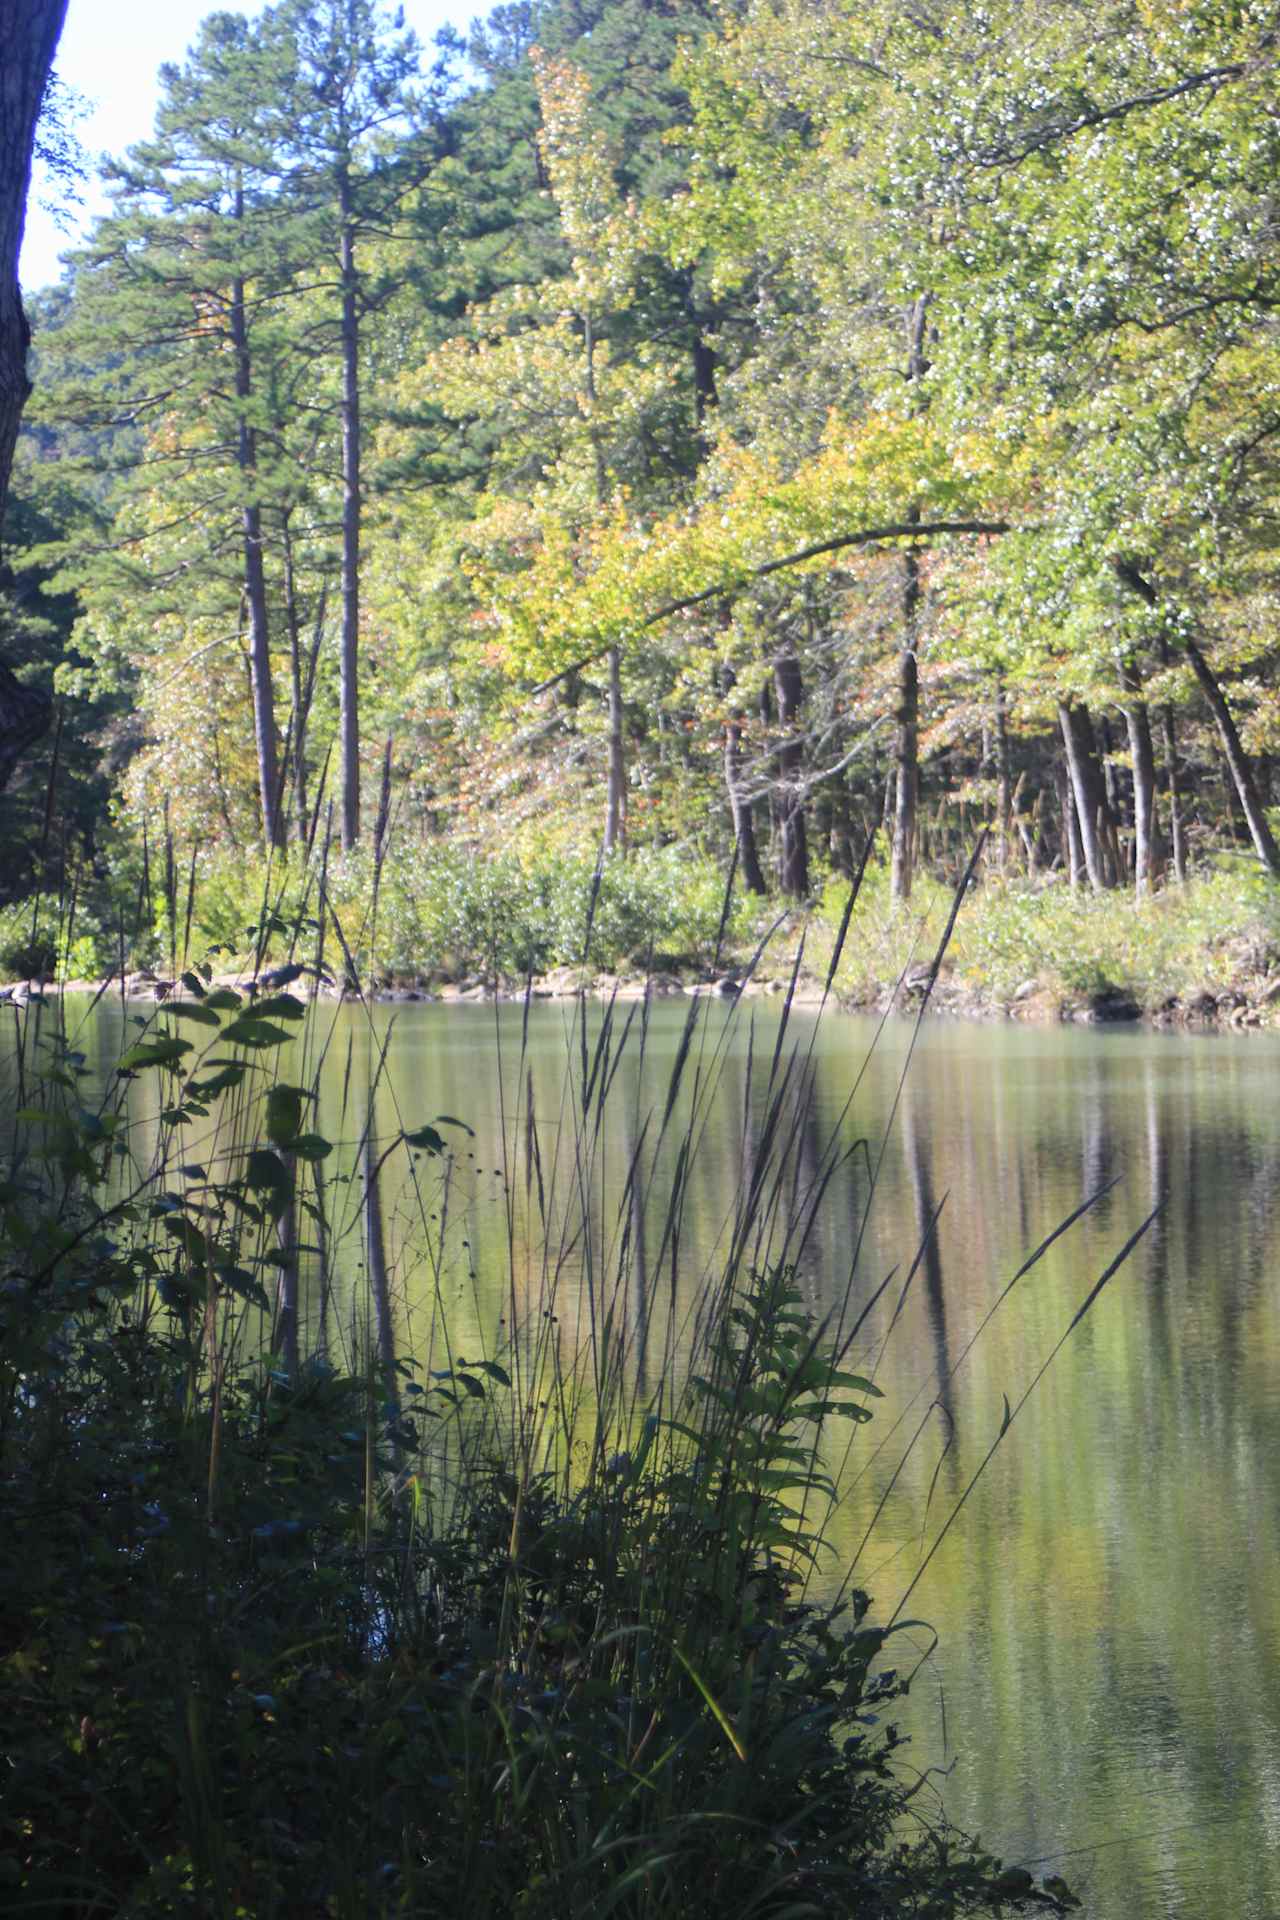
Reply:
x=1220, y=931
x=426, y=910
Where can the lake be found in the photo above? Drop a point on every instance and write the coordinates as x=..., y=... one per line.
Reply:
x=1106, y=1688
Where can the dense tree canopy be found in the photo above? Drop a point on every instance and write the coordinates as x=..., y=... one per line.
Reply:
x=738, y=426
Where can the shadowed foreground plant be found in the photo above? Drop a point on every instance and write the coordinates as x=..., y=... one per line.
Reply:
x=301, y=1638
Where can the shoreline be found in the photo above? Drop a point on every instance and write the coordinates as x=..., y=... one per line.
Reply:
x=1231, y=1010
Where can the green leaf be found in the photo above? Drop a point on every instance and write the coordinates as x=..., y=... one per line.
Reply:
x=249, y=1031
x=267, y=1174
x=165, y=1052
x=311, y=1146
x=230, y=1074
x=283, y=1006
x=194, y=1243
x=192, y=1010
x=225, y=999
x=494, y=1371
x=284, y=1114
x=854, y=1383
x=427, y=1138
x=239, y=1281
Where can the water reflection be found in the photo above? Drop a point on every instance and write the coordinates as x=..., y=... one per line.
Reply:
x=1109, y=1617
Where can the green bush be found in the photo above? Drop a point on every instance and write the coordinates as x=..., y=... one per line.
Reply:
x=442, y=909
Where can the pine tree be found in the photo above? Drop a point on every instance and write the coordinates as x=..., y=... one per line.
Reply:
x=355, y=139
x=183, y=313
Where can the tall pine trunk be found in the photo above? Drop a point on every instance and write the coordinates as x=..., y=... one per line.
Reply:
x=349, y=645
x=29, y=32
x=907, y=784
x=255, y=581
x=616, y=767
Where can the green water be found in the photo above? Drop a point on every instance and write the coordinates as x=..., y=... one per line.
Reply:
x=1106, y=1689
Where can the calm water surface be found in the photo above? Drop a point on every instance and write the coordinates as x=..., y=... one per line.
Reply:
x=1106, y=1689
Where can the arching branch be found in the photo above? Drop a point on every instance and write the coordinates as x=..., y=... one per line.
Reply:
x=914, y=530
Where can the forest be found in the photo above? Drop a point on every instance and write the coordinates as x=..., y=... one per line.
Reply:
x=647, y=446
x=633, y=505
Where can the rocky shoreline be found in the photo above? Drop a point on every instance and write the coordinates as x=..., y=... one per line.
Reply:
x=1249, y=1008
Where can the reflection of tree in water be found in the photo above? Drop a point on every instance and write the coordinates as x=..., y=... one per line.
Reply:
x=1155, y=1256
x=925, y=1208
x=375, y=1247
x=634, y=1258
x=284, y=1335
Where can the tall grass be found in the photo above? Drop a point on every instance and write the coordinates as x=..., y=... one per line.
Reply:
x=303, y=1624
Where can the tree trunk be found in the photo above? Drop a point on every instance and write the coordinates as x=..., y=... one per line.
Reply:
x=1177, y=833
x=616, y=773
x=1086, y=788
x=907, y=783
x=29, y=32
x=744, y=831
x=255, y=582
x=1146, y=830
x=1004, y=785
x=349, y=651
x=302, y=679
x=616, y=802
x=1108, y=836
x=793, y=864
x=1237, y=760
x=1072, y=851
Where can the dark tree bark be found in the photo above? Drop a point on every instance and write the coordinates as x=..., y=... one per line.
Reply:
x=1146, y=831
x=1108, y=833
x=793, y=862
x=255, y=580
x=616, y=800
x=705, y=396
x=907, y=786
x=1086, y=789
x=349, y=646
x=744, y=831
x=302, y=679
x=907, y=775
x=29, y=33
x=1004, y=783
